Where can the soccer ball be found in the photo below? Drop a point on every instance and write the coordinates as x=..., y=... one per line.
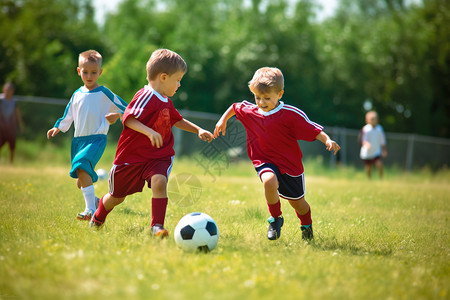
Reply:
x=196, y=232
x=102, y=174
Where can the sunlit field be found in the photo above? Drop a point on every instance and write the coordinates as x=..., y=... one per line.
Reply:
x=379, y=239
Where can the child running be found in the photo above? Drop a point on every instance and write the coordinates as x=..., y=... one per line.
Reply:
x=145, y=150
x=92, y=109
x=273, y=129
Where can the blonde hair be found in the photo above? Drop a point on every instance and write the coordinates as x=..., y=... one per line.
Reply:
x=90, y=56
x=164, y=61
x=267, y=80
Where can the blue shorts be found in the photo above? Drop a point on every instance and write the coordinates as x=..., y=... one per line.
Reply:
x=86, y=151
x=289, y=187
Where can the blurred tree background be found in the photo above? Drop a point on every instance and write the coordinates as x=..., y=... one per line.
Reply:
x=389, y=55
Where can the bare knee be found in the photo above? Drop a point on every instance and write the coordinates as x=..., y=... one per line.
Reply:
x=109, y=201
x=159, y=184
x=269, y=181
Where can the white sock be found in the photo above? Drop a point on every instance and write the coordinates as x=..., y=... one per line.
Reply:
x=89, y=197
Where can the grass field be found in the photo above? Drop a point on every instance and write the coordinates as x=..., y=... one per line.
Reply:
x=373, y=240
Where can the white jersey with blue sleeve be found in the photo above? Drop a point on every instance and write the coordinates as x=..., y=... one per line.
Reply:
x=375, y=136
x=87, y=110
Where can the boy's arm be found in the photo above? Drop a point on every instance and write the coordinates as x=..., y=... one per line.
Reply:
x=19, y=119
x=186, y=125
x=136, y=125
x=221, y=125
x=111, y=118
x=52, y=132
x=331, y=145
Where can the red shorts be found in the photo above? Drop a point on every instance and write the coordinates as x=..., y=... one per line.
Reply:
x=128, y=179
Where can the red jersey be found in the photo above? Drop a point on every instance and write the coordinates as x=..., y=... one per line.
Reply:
x=156, y=112
x=272, y=136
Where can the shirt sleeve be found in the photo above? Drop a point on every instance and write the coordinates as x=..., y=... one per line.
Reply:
x=66, y=120
x=239, y=109
x=117, y=103
x=303, y=128
x=175, y=116
x=383, y=136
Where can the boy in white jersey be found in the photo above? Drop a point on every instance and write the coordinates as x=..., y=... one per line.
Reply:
x=373, y=146
x=92, y=109
x=273, y=129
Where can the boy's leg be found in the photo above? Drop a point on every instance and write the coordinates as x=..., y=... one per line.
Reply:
x=270, y=183
x=85, y=181
x=276, y=220
x=303, y=211
x=379, y=165
x=12, y=148
x=105, y=206
x=368, y=168
x=159, y=204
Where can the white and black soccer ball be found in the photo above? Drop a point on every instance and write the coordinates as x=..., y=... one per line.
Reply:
x=196, y=232
x=102, y=174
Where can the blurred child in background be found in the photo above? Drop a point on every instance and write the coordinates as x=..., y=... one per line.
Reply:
x=92, y=109
x=373, y=144
x=273, y=130
x=10, y=117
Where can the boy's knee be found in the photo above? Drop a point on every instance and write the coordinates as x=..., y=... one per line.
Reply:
x=159, y=180
x=269, y=180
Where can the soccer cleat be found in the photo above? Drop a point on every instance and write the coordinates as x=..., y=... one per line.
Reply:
x=159, y=231
x=95, y=223
x=307, y=232
x=274, y=230
x=86, y=215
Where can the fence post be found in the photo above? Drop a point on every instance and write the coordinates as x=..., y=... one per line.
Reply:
x=410, y=152
x=343, y=143
x=335, y=134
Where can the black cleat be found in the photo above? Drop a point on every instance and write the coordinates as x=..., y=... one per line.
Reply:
x=274, y=230
x=307, y=232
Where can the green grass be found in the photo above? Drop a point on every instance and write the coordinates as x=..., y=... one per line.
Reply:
x=373, y=240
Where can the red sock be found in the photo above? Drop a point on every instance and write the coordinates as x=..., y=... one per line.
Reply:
x=159, y=206
x=306, y=218
x=275, y=209
x=101, y=212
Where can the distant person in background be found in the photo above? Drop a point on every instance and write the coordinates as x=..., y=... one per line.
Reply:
x=10, y=117
x=373, y=143
x=92, y=109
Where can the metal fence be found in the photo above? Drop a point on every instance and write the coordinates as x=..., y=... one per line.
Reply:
x=405, y=151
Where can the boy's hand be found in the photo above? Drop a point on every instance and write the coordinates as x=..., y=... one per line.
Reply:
x=221, y=126
x=205, y=135
x=52, y=132
x=332, y=146
x=155, y=138
x=366, y=145
x=112, y=118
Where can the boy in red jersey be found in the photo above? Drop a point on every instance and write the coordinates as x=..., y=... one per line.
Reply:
x=273, y=129
x=145, y=149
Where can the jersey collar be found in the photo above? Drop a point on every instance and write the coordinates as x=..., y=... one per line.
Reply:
x=85, y=90
x=160, y=97
x=271, y=112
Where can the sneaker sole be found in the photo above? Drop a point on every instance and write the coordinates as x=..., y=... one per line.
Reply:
x=162, y=234
x=84, y=218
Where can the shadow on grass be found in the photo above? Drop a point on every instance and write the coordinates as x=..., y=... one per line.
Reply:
x=352, y=246
x=131, y=212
